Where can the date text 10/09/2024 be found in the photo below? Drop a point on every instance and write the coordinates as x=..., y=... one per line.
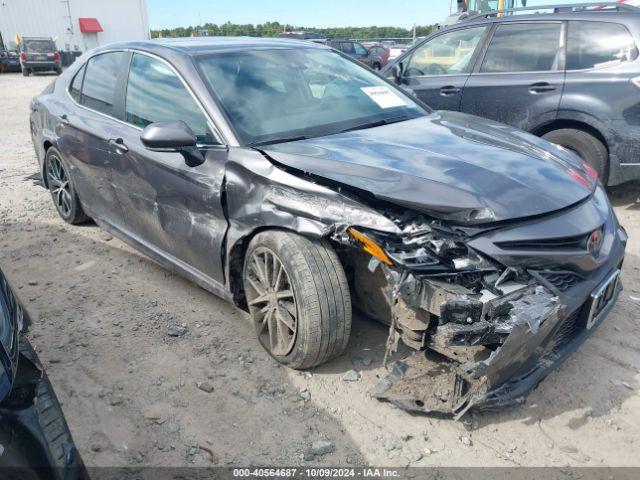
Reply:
x=316, y=472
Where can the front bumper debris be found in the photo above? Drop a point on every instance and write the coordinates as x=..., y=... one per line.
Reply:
x=461, y=369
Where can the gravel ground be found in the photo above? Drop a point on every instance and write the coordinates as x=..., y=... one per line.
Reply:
x=133, y=395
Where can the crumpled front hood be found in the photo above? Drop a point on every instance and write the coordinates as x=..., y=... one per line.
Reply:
x=445, y=162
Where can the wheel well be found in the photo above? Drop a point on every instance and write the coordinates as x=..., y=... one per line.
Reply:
x=558, y=124
x=236, y=263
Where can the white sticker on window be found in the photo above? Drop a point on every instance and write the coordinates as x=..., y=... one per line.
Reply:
x=384, y=97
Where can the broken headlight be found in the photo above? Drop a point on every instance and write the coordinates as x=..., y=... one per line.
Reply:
x=422, y=249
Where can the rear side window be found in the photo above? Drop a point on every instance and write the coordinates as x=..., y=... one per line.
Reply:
x=76, y=86
x=531, y=47
x=39, y=46
x=99, y=88
x=156, y=94
x=598, y=44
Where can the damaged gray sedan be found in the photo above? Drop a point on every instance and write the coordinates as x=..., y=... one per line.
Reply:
x=299, y=185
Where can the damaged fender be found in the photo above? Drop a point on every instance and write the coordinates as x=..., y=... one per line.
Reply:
x=260, y=194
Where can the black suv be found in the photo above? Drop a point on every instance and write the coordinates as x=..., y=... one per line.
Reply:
x=569, y=74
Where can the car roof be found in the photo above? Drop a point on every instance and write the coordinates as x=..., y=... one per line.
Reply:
x=204, y=45
x=603, y=16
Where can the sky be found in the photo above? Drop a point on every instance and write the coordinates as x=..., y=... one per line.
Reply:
x=325, y=13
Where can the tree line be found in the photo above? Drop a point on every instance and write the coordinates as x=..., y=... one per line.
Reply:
x=273, y=29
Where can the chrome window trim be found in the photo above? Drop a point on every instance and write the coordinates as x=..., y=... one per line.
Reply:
x=210, y=121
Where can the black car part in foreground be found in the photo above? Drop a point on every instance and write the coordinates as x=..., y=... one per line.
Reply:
x=35, y=442
x=289, y=179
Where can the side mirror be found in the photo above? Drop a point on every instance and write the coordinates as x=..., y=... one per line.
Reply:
x=397, y=73
x=173, y=137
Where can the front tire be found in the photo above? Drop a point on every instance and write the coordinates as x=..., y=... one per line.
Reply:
x=588, y=147
x=298, y=298
x=62, y=189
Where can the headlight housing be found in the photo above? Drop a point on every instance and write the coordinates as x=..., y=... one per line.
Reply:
x=422, y=249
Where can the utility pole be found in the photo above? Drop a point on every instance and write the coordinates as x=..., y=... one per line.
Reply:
x=68, y=16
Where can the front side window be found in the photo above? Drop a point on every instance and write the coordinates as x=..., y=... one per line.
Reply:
x=359, y=49
x=275, y=94
x=531, y=47
x=449, y=53
x=598, y=44
x=347, y=47
x=156, y=94
x=76, y=86
x=100, y=78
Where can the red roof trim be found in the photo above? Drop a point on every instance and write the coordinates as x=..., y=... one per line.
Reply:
x=89, y=25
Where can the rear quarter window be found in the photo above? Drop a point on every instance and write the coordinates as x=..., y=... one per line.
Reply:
x=75, y=90
x=598, y=45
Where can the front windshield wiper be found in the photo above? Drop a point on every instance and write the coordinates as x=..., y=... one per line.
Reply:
x=376, y=123
x=273, y=141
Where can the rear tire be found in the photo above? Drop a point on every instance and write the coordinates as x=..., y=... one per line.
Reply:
x=62, y=188
x=588, y=147
x=313, y=287
x=58, y=71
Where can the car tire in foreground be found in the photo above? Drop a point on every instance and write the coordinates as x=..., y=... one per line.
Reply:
x=588, y=147
x=298, y=298
x=62, y=189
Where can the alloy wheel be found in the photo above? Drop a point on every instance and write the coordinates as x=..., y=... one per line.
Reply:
x=271, y=301
x=59, y=185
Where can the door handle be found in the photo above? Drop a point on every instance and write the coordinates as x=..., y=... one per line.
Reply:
x=541, y=87
x=64, y=119
x=449, y=90
x=118, y=145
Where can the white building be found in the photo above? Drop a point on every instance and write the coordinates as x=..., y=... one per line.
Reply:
x=75, y=25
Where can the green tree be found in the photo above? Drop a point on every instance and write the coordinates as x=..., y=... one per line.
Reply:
x=273, y=29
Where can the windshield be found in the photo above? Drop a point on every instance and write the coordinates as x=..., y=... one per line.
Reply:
x=277, y=95
x=39, y=46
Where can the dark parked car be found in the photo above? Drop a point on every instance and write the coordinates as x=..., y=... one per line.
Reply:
x=35, y=439
x=516, y=69
x=39, y=55
x=9, y=61
x=289, y=179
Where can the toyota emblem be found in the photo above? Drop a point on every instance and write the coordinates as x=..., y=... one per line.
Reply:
x=594, y=242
